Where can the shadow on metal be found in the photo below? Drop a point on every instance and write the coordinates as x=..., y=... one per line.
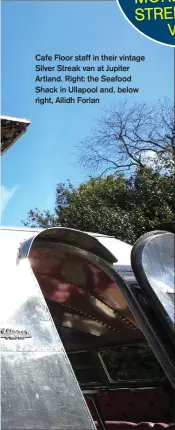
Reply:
x=38, y=386
x=79, y=290
x=79, y=280
x=152, y=261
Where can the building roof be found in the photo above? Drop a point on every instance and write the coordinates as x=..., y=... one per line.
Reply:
x=11, y=130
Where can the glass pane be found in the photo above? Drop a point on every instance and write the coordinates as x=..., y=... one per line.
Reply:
x=127, y=363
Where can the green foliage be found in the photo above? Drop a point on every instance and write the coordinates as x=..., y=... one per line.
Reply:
x=126, y=363
x=119, y=206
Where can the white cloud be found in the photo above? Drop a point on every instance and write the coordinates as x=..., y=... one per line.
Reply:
x=6, y=195
x=150, y=158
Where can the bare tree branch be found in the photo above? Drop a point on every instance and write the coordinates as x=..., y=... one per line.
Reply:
x=125, y=135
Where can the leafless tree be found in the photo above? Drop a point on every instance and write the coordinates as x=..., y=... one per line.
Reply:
x=128, y=136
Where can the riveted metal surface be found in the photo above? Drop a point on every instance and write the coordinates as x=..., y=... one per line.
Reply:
x=38, y=386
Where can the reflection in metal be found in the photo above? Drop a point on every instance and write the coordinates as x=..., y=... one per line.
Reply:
x=156, y=265
x=80, y=306
x=90, y=305
x=110, y=249
x=132, y=373
x=80, y=294
x=153, y=264
x=73, y=238
x=38, y=386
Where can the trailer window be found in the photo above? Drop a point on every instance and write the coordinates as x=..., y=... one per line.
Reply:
x=81, y=296
x=131, y=362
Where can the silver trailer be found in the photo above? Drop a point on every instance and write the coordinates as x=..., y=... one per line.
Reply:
x=63, y=286
x=67, y=292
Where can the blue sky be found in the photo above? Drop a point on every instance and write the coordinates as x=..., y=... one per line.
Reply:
x=45, y=155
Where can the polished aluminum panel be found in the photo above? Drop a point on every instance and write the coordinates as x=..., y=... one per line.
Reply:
x=155, y=257
x=91, y=300
x=39, y=391
x=38, y=386
x=85, y=241
x=80, y=294
x=99, y=300
x=153, y=264
x=159, y=266
x=121, y=251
